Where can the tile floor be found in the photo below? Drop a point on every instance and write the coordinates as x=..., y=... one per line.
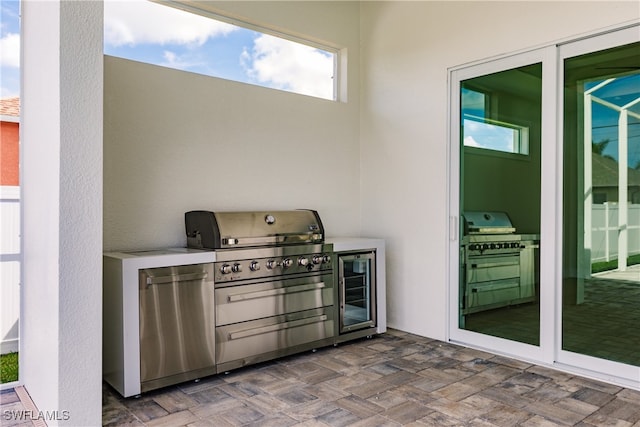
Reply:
x=390, y=380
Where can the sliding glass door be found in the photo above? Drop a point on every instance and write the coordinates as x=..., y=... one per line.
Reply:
x=600, y=322
x=498, y=146
x=545, y=152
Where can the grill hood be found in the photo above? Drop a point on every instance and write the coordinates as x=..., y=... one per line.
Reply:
x=226, y=230
x=483, y=222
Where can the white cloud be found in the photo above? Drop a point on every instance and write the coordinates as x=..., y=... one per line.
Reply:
x=135, y=22
x=283, y=64
x=10, y=48
x=181, y=62
x=470, y=142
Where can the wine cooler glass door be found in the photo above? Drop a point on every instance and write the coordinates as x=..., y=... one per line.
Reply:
x=357, y=291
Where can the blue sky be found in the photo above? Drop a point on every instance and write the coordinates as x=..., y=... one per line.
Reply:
x=9, y=48
x=605, y=120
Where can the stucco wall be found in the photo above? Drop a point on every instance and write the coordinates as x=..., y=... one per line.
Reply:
x=61, y=187
x=407, y=49
x=176, y=141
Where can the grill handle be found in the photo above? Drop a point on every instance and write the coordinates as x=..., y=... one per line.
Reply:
x=273, y=292
x=496, y=264
x=278, y=327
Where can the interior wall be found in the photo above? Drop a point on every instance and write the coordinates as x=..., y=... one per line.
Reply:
x=407, y=49
x=175, y=141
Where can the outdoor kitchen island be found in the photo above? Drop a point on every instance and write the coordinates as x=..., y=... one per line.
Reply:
x=175, y=315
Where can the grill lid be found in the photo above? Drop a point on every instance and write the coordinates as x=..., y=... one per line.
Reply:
x=225, y=230
x=477, y=222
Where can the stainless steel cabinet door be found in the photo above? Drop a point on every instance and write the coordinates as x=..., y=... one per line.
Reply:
x=177, y=331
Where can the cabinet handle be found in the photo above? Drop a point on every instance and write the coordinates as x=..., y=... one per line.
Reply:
x=175, y=278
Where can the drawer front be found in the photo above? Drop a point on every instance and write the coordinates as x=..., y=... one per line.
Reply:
x=255, y=301
x=486, y=269
x=275, y=335
x=492, y=293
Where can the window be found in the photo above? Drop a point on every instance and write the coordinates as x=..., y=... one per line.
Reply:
x=157, y=34
x=495, y=135
x=480, y=131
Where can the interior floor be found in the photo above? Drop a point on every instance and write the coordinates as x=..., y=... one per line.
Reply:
x=606, y=325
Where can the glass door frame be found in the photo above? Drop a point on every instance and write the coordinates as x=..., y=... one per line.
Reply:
x=550, y=351
x=544, y=352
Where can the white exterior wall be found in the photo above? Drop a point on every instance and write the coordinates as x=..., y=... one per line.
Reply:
x=175, y=141
x=407, y=50
x=61, y=183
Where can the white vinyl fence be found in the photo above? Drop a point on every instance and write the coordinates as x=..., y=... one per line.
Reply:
x=604, y=231
x=9, y=268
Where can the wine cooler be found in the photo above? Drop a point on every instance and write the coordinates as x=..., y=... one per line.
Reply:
x=357, y=294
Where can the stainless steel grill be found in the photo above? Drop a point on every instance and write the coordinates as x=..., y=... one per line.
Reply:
x=273, y=279
x=498, y=264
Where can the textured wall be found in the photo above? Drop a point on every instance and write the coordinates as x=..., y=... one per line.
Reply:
x=61, y=322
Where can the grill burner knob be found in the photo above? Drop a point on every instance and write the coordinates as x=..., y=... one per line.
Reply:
x=271, y=264
x=225, y=269
x=302, y=261
x=254, y=266
x=287, y=262
x=317, y=259
x=237, y=268
x=515, y=245
x=485, y=247
x=326, y=259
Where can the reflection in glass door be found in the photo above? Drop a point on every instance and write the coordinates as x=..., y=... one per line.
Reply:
x=601, y=205
x=500, y=205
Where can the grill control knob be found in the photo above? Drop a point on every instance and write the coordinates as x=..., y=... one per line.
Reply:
x=271, y=264
x=287, y=262
x=302, y=261
x=237, y=268
x=485, y=247
x=317, y=259
x=326, y=259
x=515, y=245
x=254, y=266
x=225, y=269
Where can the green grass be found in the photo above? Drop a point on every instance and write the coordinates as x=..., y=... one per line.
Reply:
x=597, y=267
x=8, y=367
